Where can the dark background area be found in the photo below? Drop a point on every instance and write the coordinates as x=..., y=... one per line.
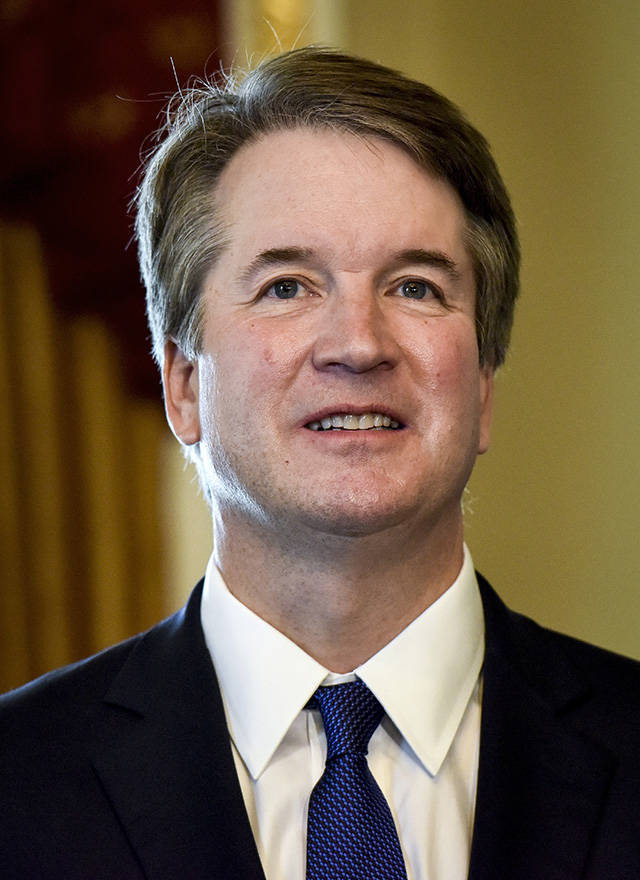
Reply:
x=82, y=88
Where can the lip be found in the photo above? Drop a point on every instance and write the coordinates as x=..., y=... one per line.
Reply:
x=350, y=409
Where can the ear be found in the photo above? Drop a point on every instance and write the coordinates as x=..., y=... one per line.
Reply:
x=486, y=407
x=181, y=394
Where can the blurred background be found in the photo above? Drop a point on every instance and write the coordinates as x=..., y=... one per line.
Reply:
x=103, y=529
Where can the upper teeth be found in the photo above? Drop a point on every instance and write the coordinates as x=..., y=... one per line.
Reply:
x=350, y=422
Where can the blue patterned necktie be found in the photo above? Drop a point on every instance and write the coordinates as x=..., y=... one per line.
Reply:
x=350, y=832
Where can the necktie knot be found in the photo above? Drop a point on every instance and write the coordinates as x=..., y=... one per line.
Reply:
x=350, y=714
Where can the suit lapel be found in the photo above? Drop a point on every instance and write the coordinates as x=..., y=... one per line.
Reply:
x=541, y=784
x=161, y=750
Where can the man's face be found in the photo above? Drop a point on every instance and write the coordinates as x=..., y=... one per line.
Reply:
x=344, y=296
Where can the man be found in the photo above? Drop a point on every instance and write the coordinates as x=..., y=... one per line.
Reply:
x=331, y=266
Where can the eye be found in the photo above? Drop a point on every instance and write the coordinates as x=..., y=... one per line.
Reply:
x=414, y=289
x=284, y=288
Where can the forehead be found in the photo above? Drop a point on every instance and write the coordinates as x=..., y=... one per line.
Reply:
x=326, y=189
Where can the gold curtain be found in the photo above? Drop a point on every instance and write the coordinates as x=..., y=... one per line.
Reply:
x=81, y=549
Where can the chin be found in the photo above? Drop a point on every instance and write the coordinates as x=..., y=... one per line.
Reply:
x=356, y=517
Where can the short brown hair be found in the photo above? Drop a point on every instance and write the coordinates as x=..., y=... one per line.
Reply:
x=178, y=233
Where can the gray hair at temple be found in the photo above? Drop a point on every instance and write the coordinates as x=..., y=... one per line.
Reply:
x=180, y=234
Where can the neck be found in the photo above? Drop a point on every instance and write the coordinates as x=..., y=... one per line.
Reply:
x=341, y=599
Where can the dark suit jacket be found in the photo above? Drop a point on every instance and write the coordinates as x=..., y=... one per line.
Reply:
x=120, y=767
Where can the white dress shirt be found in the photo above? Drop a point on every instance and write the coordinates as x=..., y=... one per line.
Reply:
x=424, y=754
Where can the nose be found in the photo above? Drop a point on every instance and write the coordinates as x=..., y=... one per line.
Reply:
x=354, y=333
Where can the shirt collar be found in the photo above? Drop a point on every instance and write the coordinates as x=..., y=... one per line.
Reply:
x=424, y=677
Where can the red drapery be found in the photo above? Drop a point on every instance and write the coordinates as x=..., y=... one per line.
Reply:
x=82, y=88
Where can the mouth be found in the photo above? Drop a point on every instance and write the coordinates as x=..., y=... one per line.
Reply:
x=368, y=421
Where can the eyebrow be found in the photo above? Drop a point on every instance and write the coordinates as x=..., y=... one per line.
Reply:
x=416, y=256
x=434, y=259
x=276, y=257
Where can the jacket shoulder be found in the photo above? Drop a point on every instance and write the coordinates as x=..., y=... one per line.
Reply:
x=62, y=700
x=59, y=700
x=599, y=688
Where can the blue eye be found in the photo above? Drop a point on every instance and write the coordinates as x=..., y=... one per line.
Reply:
x=286, y=288
x=415, y=289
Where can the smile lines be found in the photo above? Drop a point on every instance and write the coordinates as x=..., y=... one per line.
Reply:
x=350, y=422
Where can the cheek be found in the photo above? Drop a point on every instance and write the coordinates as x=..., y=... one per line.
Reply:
x=247, y=373
x=449, y=363
x=451, y=391
x=274, y=350
x=460, y=371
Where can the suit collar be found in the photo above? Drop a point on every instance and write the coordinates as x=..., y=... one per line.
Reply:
x=161, y=750
x=541, y=783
